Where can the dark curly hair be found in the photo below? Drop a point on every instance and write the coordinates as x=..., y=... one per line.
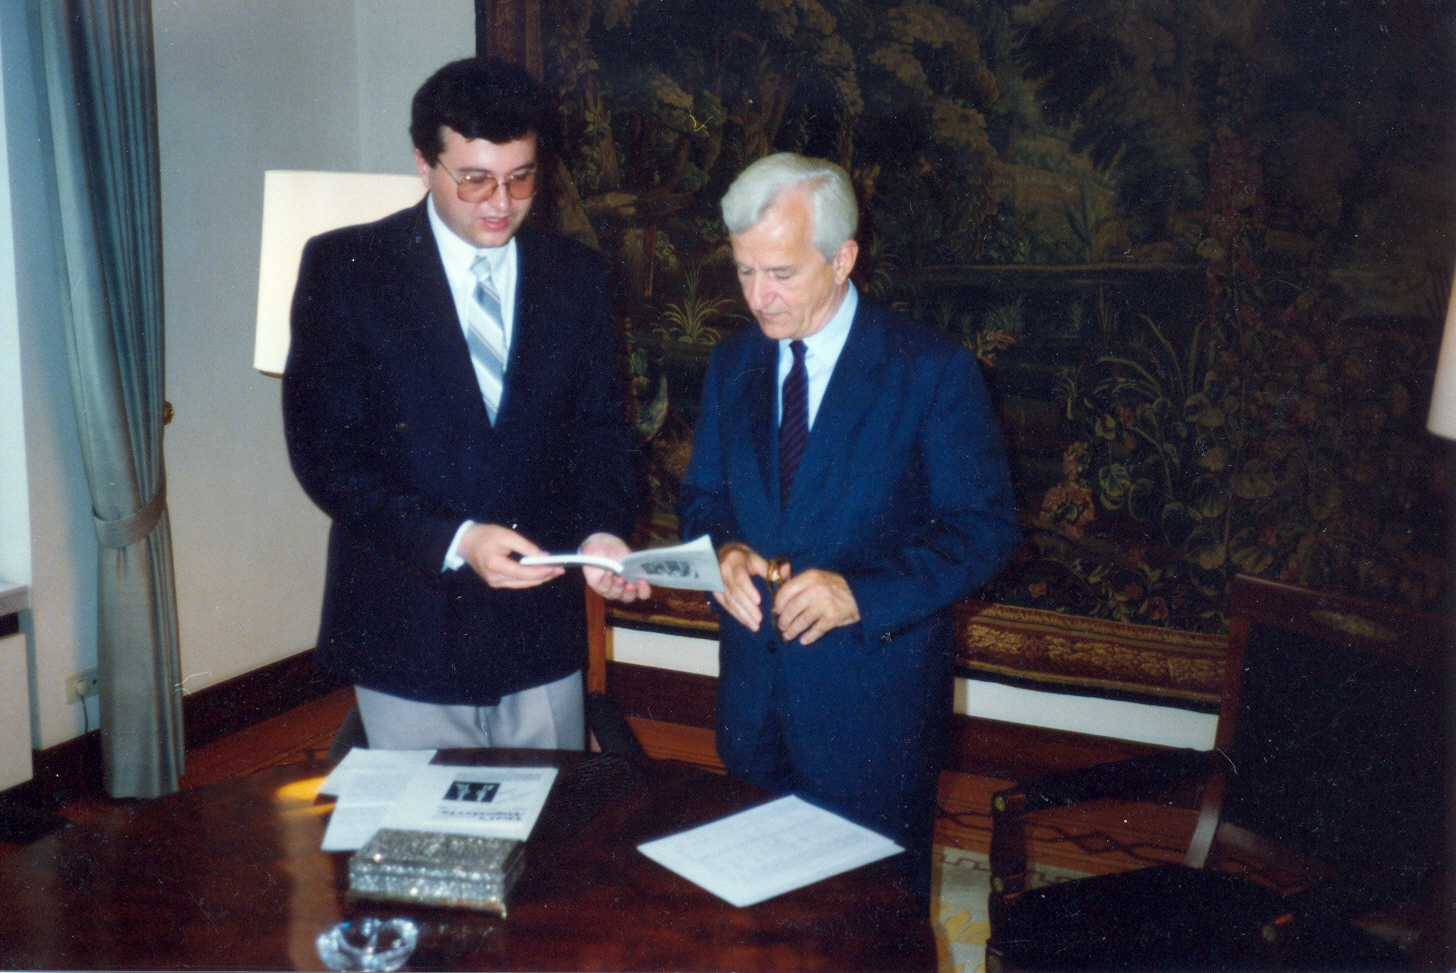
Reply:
x=481, y=98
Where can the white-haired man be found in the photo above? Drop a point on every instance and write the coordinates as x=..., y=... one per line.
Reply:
x=849, y=467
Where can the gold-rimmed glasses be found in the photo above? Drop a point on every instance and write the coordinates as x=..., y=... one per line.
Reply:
x=473, y=186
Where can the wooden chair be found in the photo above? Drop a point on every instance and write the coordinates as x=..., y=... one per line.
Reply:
x=1327, y=772
x=608, y=730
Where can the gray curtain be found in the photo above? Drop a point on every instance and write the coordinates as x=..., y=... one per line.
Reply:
x=101, y=91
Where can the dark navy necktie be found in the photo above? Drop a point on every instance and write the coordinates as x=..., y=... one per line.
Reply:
x=794, y=425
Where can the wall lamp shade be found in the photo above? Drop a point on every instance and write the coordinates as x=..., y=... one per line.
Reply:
x=300, y=205
x=1442, y=418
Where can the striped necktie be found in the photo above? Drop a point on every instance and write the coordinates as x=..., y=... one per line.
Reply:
x=485, y=333
x=794, y=425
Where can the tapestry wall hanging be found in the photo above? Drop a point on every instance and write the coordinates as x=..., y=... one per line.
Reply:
x=1202, y=250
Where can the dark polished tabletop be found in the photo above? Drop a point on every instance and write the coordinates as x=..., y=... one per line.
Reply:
x=231, y=876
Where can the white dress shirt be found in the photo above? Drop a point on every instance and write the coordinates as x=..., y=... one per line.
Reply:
x=458, y=255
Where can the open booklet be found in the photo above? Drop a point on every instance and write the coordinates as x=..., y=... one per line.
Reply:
x=693, y=566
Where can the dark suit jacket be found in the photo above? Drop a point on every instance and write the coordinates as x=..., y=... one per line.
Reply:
x=389, y=435
x=903, y=489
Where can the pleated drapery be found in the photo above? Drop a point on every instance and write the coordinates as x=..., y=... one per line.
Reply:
x=101, y=92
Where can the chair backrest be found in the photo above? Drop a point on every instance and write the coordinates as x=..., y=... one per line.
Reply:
x=1333, y=722
x=596, y=642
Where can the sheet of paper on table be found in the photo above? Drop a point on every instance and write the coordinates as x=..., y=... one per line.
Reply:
x=364, y=784
x=377, y=764
x=493, y=802
x=768, y=850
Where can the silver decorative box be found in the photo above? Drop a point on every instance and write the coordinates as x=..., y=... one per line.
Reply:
x=429, y=868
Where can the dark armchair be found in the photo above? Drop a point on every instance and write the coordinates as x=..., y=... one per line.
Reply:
x=1321, y=805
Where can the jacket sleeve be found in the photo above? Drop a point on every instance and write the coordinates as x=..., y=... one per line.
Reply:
x=339, y=425
x=966, y=530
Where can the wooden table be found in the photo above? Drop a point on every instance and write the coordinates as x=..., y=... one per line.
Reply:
x=231, y=876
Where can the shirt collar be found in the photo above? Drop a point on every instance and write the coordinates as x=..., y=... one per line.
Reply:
x=830, y=339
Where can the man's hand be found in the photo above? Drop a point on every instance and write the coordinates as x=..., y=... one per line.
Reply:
x=487, y=548
x=812, y=604
x=738, y=564
x=605, y=583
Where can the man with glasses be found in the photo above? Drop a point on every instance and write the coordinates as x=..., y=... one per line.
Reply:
x=451, y=401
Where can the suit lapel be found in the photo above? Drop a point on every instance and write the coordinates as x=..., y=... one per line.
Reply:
x=525, y=328
x=854, y=389
x=425, y=289
x=761, y=391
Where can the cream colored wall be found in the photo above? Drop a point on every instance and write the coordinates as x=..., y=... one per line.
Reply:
x=243, y=88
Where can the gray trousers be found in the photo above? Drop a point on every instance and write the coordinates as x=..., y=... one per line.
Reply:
x=545, y=717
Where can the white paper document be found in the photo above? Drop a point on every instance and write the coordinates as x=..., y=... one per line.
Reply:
x=364, y=784
x=495, y=802
x=377, y=765
x=692, y=566
x=768, y=850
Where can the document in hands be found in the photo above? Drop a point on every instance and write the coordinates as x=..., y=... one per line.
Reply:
x=692, y=566
x=768, y=850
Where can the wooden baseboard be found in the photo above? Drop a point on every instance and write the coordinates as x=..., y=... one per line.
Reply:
x=71, y=770
x=227, y=707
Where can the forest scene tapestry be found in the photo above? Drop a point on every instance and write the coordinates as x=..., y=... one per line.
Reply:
x=1202, y=250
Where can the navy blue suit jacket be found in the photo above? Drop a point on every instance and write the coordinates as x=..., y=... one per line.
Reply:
x=903, y=489
x=389, y=435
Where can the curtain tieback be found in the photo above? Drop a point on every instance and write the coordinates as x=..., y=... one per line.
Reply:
x=126, y=531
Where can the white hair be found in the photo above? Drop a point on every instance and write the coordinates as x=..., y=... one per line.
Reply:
x=831, y=197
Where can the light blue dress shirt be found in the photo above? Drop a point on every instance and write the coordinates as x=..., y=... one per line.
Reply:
x=821, y=352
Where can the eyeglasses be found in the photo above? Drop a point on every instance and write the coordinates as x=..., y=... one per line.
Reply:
x=472, y=187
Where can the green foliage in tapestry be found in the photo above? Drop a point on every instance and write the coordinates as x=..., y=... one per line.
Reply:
x=1201, y=249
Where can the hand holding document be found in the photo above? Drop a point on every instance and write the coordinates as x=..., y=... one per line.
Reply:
x=768, y=850
x=692, y=566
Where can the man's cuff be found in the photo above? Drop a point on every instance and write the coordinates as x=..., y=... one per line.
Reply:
x=453, y=561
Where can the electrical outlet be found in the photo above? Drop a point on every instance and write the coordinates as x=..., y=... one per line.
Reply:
x=83, y=684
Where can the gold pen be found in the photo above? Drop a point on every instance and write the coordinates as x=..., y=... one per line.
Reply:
x=775, y=577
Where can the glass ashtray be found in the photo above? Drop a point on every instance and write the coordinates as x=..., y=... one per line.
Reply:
x=368, y=945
